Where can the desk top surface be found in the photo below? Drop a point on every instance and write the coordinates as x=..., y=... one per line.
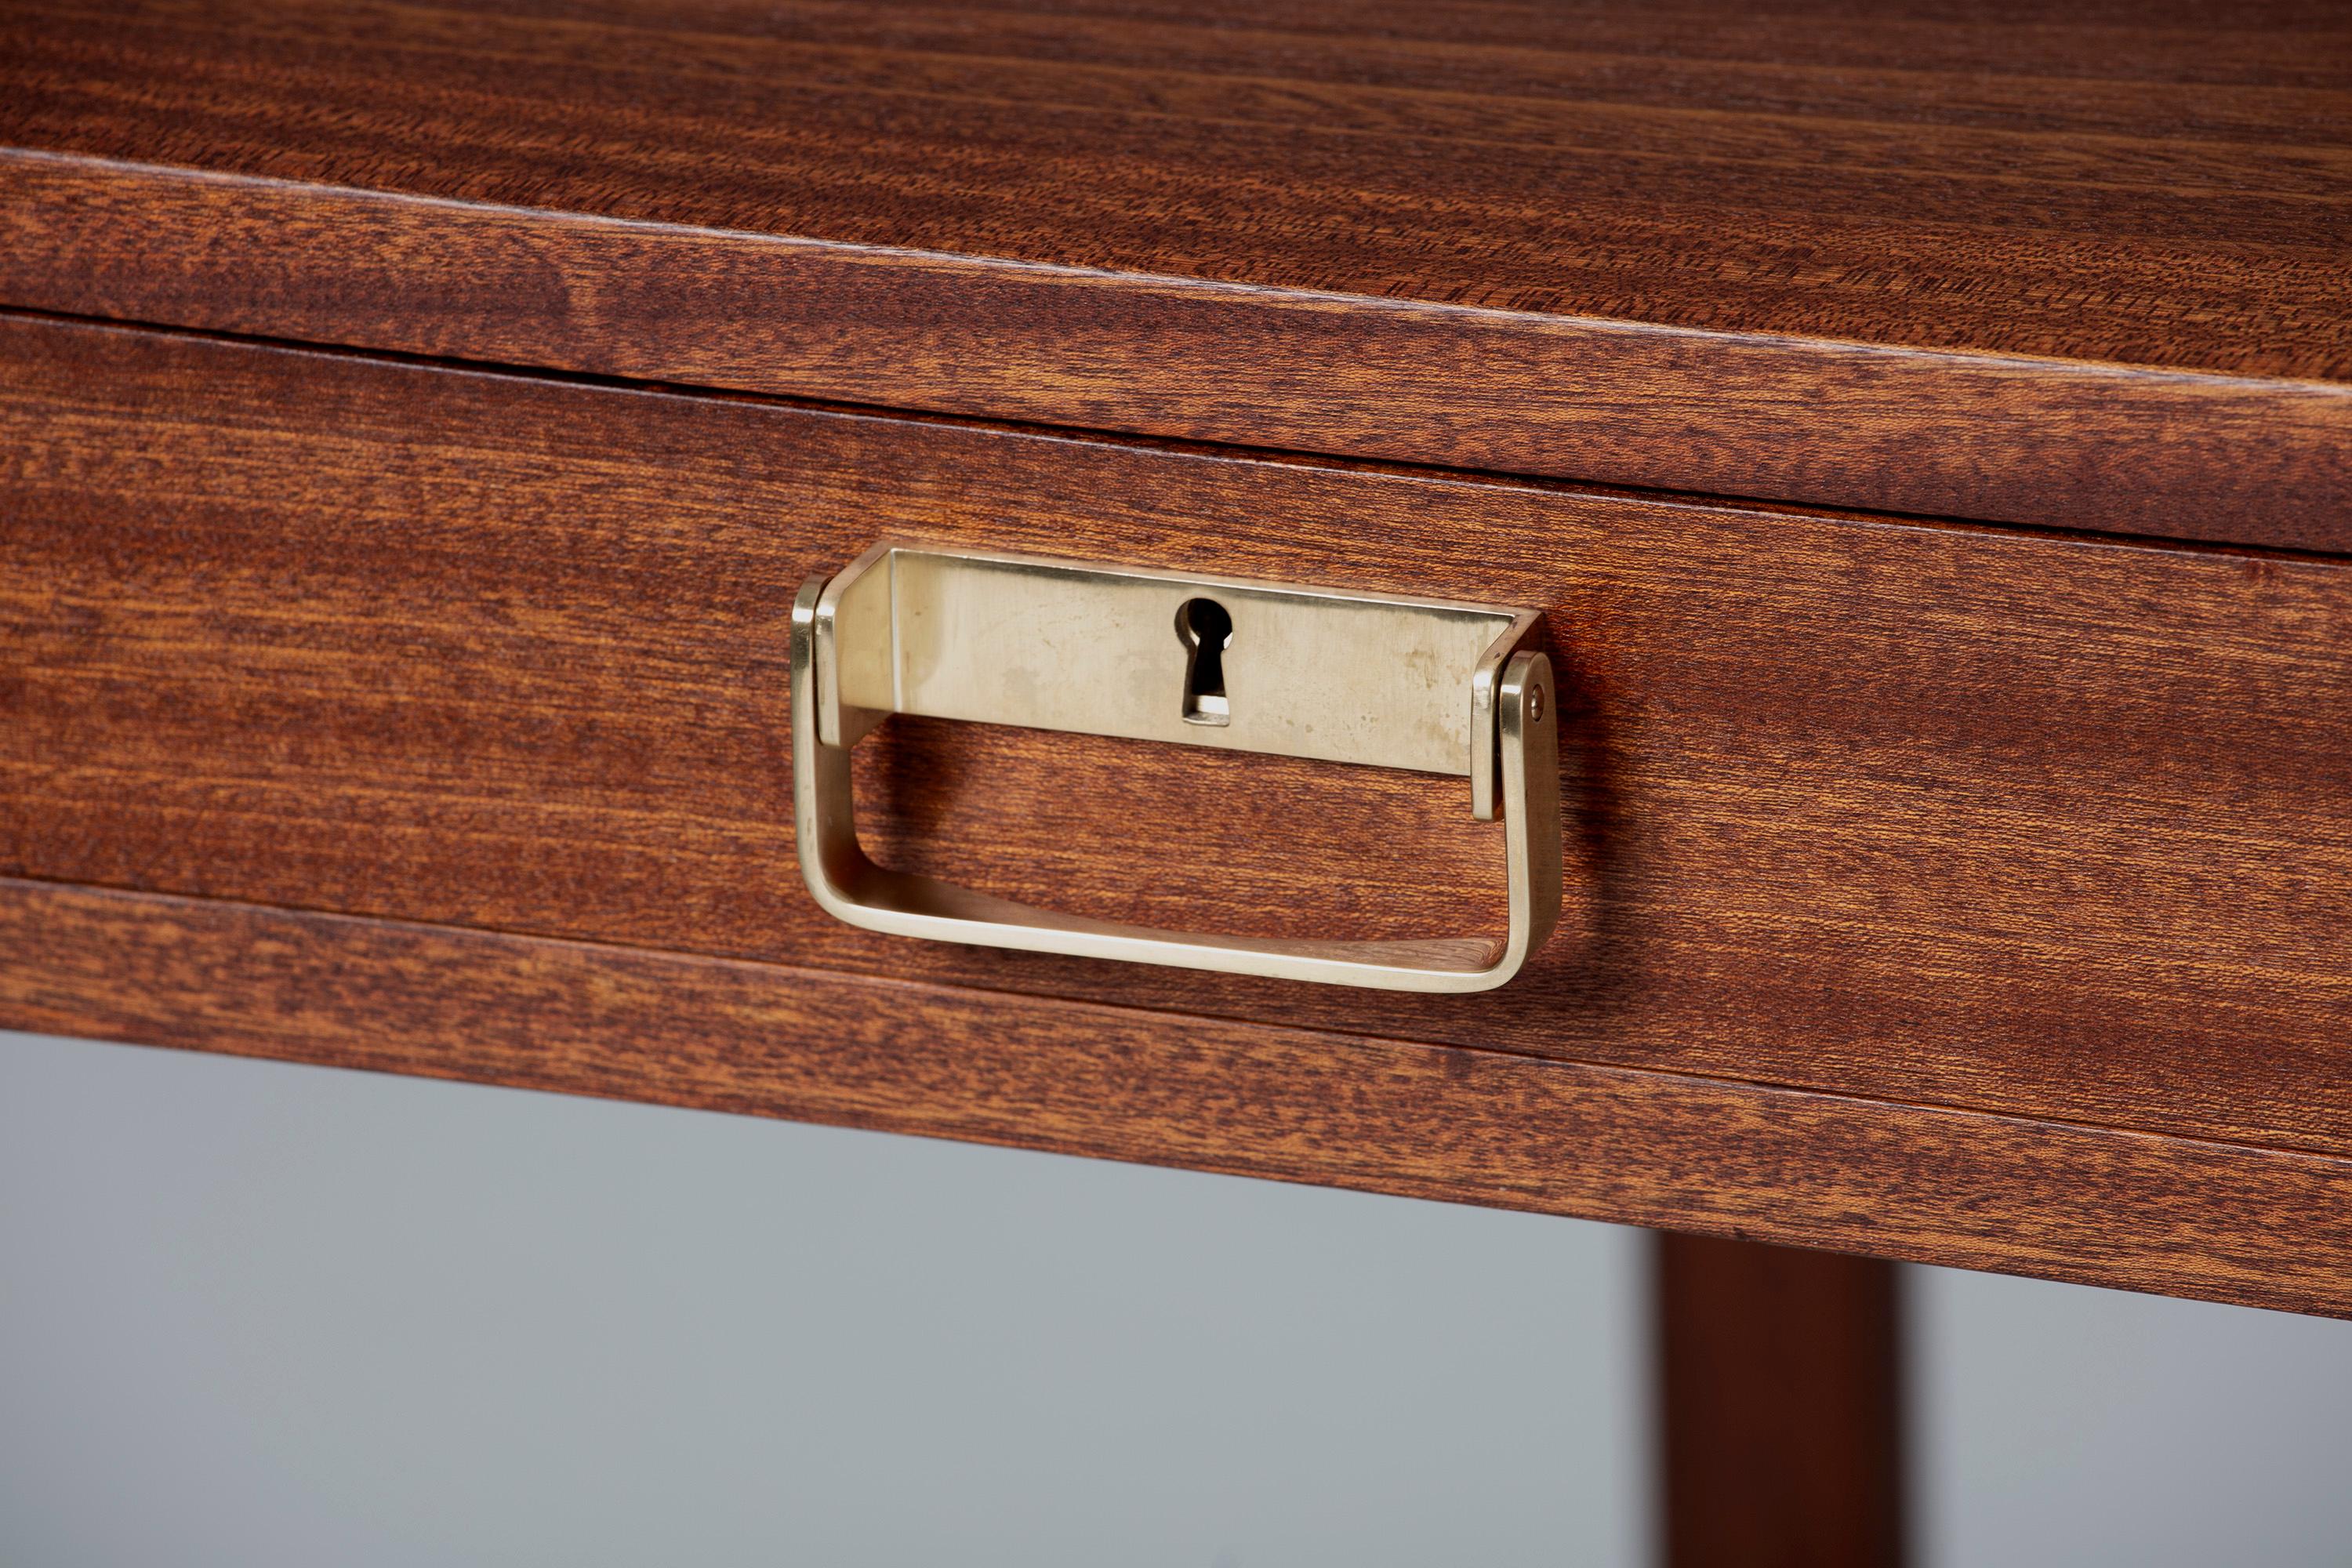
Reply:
x=2162, y=184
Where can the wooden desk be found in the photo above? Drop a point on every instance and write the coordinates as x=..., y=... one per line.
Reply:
x=1929, y=434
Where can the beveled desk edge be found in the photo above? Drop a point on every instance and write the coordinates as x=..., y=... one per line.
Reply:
x=2056, y=443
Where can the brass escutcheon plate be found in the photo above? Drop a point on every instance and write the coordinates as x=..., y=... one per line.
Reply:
x=1431, y=685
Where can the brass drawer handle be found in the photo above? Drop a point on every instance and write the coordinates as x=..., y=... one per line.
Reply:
x=1428, y=685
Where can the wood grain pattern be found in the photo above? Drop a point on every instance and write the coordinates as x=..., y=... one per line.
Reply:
x=2050, y=827
x=1780, y=1407
x=2087, y=273
x=1983, y=1191
x=2152, y=185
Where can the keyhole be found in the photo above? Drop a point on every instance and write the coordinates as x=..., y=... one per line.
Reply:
x=1205, y=629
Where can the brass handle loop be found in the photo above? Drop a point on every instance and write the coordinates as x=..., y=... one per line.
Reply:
x=990, y=638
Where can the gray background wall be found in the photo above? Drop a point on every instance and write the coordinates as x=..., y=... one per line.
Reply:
x=262, y=1314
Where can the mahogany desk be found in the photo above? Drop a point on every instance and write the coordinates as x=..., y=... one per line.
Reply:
x=1928, y=431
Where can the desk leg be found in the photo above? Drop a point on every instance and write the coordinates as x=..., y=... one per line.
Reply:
x=1780, y=1406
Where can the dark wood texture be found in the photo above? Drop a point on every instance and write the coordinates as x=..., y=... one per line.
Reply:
x=1780, y=1382
x=2089, y=1205
x=2089, y=273
x=2052, y=827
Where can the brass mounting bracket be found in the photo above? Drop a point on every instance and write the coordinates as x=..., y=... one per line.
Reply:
x=1424, y=684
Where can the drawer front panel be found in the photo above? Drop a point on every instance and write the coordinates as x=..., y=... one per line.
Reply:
x=1953, y=817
